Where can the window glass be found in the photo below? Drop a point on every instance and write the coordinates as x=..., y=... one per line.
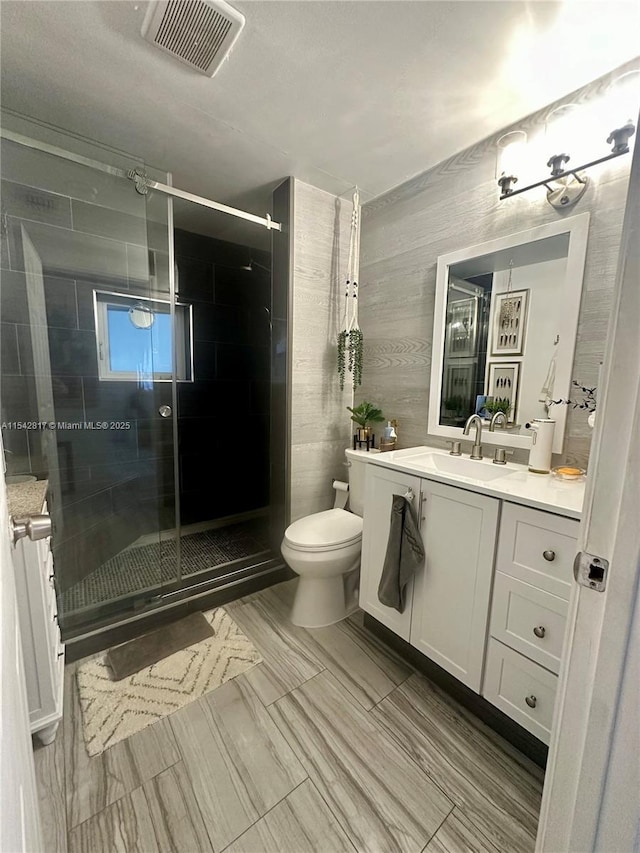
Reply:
x=135, y=342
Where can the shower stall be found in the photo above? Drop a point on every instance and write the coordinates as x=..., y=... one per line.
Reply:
x=143, y=374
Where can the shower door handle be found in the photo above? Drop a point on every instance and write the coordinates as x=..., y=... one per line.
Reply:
x=164, y=411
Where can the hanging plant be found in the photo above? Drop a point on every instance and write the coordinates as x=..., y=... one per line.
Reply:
x=350, y=339
x=356, y=352
x=342, y=356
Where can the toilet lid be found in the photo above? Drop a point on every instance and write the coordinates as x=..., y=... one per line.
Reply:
x=324, y=530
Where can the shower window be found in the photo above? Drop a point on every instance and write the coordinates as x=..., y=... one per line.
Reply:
x=134, y=338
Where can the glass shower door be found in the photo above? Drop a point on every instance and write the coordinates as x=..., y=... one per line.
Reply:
x=87, y=376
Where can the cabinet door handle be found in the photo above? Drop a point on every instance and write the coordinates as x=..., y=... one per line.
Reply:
x=549, y=556
x=540, y=631
x=531, y=701
x=423, y=502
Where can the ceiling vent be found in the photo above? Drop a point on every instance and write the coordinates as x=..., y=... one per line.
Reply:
x=199, y=33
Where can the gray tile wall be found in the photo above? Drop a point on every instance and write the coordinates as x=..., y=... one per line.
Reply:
x=320, y=425
x=456, y=204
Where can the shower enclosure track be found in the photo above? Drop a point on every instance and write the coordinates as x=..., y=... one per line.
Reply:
x=143, y=183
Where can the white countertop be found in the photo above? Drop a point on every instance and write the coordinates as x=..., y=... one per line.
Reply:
x=541, y=491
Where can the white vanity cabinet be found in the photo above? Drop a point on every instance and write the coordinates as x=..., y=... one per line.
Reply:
x=381, y=485
x=452, y=591
x=42, y=647
x=528, y=614
x=490, y=603
x=447, y=603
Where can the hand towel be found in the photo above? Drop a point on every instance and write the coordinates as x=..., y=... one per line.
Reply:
x=405, y=553
x=546, y=392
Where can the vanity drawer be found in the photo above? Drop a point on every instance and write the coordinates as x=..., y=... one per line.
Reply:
x=529, y=620
x=538, y=548
x=525, y=691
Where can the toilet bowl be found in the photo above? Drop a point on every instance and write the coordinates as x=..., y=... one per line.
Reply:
x=323, y=549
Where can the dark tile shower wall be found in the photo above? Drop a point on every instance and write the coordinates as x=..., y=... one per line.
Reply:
x=115, y=485
x=223, y=416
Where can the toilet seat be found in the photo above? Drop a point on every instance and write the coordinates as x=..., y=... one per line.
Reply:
x=330, y=530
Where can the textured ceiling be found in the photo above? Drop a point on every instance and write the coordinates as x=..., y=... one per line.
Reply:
x=335, y=93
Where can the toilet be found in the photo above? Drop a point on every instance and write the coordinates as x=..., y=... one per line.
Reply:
x=324, y=550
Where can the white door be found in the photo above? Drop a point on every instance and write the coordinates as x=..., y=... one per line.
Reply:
x=19, y=812
x=382, y=484
x=591, y=800
x=452, y=592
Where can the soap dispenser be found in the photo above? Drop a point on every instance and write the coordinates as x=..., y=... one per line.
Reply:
x=389, y=437
x=541, y=448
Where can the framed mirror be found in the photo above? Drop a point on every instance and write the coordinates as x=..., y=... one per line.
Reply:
x=505, y=325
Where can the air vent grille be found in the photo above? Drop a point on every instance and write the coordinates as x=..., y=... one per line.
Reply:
x=197, y=32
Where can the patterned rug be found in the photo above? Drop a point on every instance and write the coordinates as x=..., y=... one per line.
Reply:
x=114, y=710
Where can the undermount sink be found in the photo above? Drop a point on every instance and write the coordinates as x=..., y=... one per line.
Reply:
x=462, y=466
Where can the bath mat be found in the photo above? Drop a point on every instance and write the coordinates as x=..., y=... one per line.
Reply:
x=144, y=651
x=114, y=710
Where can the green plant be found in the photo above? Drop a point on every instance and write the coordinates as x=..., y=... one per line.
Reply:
x=356, y=355
x=498, y=404
x=457, y=404
x=342, y=360
x=366, y=413
x=353, y=343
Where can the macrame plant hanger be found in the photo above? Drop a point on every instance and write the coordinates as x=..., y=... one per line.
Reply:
x=350, y=339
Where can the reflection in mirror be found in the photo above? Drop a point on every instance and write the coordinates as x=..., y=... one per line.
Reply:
x=501, y=335
x=504, y=331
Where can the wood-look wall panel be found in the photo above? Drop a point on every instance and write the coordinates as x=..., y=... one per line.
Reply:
x=320, y=426
x=451, y=206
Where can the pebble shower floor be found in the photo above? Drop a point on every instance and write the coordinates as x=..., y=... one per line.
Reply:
x=148, y=566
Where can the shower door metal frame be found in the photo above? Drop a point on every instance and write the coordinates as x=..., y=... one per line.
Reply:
x=143, y=183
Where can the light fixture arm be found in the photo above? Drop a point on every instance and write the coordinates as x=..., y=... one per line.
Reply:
x=577, y=174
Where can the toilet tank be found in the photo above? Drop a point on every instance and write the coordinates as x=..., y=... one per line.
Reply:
x=357, y=460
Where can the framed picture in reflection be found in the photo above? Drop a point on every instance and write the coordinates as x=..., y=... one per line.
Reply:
x=502, y=384
x=509, y=322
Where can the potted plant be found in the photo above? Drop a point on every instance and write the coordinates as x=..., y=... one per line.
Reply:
x=363, y=415
x=498, y=404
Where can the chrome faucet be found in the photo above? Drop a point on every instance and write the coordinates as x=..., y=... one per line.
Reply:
x=494, y=421
x=476, y=452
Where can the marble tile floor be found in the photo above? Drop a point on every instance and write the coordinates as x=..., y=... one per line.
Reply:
x=332, y=744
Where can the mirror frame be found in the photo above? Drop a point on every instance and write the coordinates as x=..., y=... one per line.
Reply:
x=577, y=227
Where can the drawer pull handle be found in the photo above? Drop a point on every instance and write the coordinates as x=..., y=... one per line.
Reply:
x=549, y=556
x=531, y=701
x=540, y=631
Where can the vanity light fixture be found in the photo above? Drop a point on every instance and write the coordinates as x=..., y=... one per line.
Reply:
x=511, y=148
x=566, y=128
